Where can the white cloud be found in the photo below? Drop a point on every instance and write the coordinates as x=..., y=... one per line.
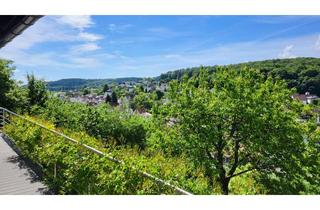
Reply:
x=45, y=30
x=26, y=59
x=287, y=52
x=78, y=22
x=112, y=27
x=52, y=29
x=277, y=19
x=159, y=30
x=165, y=32
x=221, y=54
x=87, y=47
x=172, y=56
x=119, y=27
x=317, y=44
x=134, y=40
x=85, y=62
x=85, y=36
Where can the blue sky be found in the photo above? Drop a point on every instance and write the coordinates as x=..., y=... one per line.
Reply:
x=144, y=46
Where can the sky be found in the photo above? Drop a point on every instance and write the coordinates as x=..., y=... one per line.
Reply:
x=97, y=47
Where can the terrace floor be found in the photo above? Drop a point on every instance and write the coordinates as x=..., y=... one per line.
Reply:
x=16, y=174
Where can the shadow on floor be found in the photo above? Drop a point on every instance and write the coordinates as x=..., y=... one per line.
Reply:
x=33, y=173
x=21, y=163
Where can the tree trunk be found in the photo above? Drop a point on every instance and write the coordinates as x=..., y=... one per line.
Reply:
x=224, y=180
x=225, y=186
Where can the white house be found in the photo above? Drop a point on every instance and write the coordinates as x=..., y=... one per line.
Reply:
x=306, y=98
x=107, y=93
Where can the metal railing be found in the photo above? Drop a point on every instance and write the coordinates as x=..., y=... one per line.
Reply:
x=5, y=119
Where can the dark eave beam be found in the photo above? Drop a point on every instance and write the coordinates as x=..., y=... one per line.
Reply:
x=13, y=25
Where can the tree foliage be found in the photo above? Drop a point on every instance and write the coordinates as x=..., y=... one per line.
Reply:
x=300, y=73
x=86, y=91
x=12, y=95
x=6, y=82
x=37, y=92
x=105, y=88
x=114, y=99
x=236, y=121
x=76, y=84
x=108, y=99
x=109, y=124
x=142, y=101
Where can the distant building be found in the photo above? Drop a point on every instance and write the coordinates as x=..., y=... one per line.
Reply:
x=108, y=93
x=145, y=114
x=317, y=111
x=306, y=98
x=150, y=88
x=88, y=99
x=163, y=87
x=130, y=88
x=172, y=121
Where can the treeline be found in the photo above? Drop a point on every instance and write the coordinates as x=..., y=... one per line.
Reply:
x=76, y=84
x=300, y=73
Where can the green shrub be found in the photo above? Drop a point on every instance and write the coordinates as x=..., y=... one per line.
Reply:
x=79, y=171
x=104, y=122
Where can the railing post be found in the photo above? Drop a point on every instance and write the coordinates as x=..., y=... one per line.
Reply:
x=3, y=118
x=55, y=171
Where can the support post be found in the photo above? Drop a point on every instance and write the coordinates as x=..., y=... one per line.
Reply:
x=3, y=118
x=55, y=171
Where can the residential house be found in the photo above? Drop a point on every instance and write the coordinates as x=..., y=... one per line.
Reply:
x=306, y=98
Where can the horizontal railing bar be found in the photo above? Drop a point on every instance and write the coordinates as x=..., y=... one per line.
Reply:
x=6, y=119
x=145, y=174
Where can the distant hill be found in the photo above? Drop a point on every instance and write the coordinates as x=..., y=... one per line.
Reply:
x=300, y=73
x=76, y=83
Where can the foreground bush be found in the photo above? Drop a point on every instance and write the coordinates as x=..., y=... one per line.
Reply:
x=70, y=169
x=104, y=122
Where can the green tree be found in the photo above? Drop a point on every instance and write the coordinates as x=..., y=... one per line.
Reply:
x=159, y=94
x=18, y=98
x=37, y=91
x=114, y=99
x=86, y=91
x=108, y=99
x=12, y=95
x=6, y=82
x=300, y=73
x=142, y=101
x=235, y=122
x=105, y=88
